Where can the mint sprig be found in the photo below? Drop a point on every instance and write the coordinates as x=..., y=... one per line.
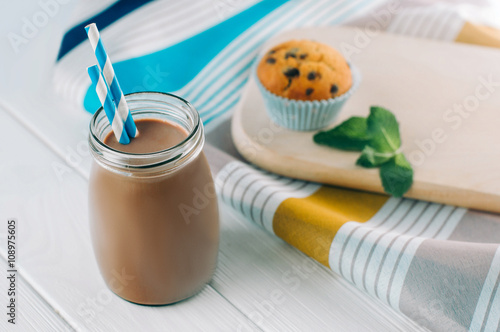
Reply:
x=350, y=135
x=378, y=139
x=371, y=158
x=396, y=175
x=383, y=128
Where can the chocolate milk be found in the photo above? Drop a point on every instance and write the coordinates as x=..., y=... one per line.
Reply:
x=155, y=238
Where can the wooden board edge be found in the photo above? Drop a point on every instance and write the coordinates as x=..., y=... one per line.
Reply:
x=262, y=157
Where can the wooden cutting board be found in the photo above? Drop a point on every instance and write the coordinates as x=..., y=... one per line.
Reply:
x=446, y=97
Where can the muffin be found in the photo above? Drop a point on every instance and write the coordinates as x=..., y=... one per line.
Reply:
x=304, y=83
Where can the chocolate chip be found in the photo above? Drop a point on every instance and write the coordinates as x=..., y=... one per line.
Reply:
x=271, y=60
x=291, y=53
x=291, y=72
x=309, y=91
x=271, y=52
x=289, y=83
x=334, y=89
x=303, y=56
x=311, y=76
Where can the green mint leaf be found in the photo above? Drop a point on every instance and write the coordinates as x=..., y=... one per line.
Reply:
x=396, y=175
x=378, y=138
x=383, y=128
x=350, y=135
x=371, y=158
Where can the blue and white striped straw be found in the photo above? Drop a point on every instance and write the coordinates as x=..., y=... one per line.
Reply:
x=107, y=103
x=109, y=76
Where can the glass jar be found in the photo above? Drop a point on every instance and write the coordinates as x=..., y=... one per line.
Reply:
x=153, y=217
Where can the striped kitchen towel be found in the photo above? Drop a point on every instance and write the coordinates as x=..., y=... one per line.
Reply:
x=437, y=264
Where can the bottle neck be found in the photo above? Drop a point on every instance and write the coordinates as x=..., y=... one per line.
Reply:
x=149, y=105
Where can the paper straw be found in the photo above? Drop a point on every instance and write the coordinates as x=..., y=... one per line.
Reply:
x=104, y=95
x=109, y=76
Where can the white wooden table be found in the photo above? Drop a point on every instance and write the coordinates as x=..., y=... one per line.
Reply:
x=261, y=283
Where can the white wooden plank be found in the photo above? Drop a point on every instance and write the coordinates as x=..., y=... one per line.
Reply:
x=32, y=312
x=252, y=263
x=56, y=257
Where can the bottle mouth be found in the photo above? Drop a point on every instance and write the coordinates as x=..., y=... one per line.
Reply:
x=149, y=105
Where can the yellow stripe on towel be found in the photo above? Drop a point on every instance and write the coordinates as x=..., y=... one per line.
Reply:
x=310, y=224
x=479, y=35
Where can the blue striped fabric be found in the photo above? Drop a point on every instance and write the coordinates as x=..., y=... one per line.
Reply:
x=184, y=60
x=111, y=14
x=215, y=88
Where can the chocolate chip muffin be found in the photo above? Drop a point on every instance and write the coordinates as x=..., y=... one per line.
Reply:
x=304, y=70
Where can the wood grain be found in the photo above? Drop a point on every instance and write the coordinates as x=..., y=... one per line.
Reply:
x=453, y=152
x=33, y=312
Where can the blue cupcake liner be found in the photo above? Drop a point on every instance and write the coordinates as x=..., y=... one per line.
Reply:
x=304, y=115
